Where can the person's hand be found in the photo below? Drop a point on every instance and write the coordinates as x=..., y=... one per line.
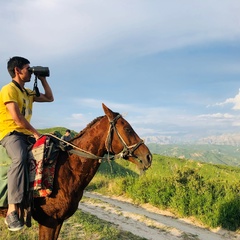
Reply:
x=42, y=78
x=37, y=136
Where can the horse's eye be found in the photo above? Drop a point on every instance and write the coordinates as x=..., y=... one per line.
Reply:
x=128, y=130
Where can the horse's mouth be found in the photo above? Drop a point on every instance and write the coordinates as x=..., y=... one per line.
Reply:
x=146, y=163
x=142, y=165
x=144, y=168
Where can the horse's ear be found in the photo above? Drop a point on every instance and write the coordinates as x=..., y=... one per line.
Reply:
x=108, y=112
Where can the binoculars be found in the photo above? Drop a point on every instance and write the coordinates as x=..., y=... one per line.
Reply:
x=40, y=71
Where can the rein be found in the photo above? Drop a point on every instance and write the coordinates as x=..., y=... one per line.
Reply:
x=78, y=151
x=128, y=151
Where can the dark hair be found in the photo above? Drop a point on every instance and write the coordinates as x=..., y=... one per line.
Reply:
x=16, y=62
x=68, y=130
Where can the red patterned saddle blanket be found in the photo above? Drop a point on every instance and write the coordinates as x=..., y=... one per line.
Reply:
x=42, y=162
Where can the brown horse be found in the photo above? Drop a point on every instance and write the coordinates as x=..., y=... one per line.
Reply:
x=107, y=134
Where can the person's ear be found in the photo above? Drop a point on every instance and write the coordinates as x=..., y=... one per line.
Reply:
x=17, y=70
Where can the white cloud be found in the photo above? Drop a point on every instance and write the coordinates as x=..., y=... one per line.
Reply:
x=235, y=101
x=56, y=28
x=222, y=116
x=149, y=120
x=77, y=116
x=145, y=120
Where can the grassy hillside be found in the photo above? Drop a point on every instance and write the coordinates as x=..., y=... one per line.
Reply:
x=216, y=154
x=59, y=131
x=207, y=192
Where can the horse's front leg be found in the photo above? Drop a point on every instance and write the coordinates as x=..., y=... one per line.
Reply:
x=46, y=233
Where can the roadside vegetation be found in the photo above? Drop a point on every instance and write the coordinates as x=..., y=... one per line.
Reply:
x=209, y=193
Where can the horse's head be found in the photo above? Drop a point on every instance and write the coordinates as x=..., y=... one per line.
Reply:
x=124, y=140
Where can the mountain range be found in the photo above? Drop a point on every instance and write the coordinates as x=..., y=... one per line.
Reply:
x=232, y=139
x=217, y=149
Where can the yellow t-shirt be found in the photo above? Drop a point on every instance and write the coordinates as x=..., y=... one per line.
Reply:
x=11, y=93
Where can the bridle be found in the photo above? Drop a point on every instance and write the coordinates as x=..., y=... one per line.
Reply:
x=128, y=151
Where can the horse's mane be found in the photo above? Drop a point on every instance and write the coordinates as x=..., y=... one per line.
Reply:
x=88, y=126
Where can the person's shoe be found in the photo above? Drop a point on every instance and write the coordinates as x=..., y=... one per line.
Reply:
x=13, y=222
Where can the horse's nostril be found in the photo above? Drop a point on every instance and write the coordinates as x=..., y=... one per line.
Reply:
x=149, y=157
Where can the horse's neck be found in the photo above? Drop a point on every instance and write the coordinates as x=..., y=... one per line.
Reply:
x=93, y=139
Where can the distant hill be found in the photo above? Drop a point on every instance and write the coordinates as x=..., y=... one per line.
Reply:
x=216, y=149
x=216, y=154
x=58, y=131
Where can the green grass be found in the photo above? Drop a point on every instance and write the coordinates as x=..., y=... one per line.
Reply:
x=80, y=226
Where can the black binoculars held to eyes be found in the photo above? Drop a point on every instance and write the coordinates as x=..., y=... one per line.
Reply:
x=40, y=71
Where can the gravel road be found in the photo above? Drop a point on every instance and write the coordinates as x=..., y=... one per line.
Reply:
x=148, y=222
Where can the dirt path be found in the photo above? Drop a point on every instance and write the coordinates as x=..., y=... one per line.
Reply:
x=146, y=221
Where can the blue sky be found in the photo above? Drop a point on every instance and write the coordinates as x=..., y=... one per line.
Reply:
x=170, y=67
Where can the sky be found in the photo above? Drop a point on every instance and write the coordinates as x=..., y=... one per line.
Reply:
x=171, y=68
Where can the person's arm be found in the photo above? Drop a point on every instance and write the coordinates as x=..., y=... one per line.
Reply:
x=47, y=96
x=20, y=120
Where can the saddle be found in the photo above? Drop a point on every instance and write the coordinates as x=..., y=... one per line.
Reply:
x=41, y=168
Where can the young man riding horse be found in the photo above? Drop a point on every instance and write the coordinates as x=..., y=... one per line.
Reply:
x=15, y=130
